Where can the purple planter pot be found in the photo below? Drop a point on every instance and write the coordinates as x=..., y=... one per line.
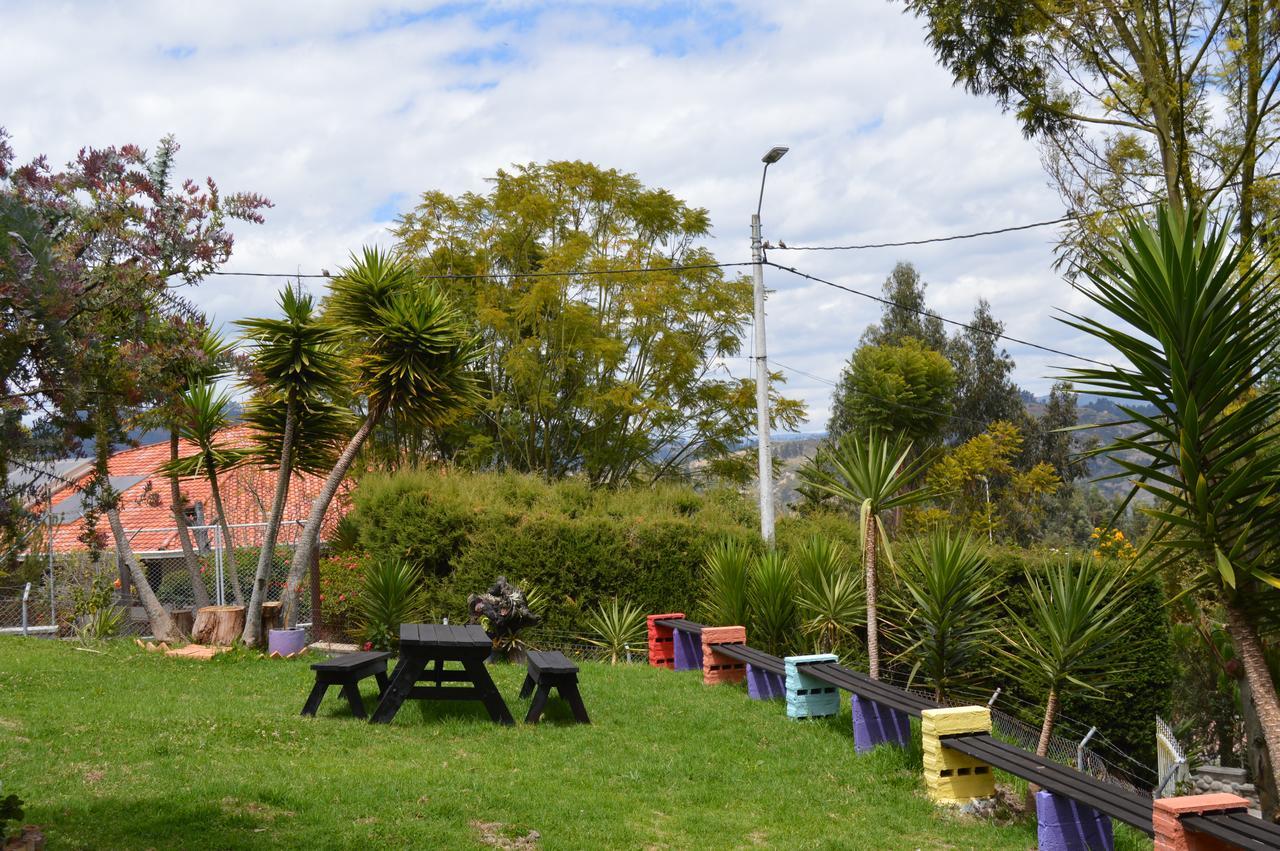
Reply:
x=286, y=642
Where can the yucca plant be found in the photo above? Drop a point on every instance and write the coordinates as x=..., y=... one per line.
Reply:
x=101, y=623
x=392, y=594
x=1200, y=326
x=876, y=475
x=771, y=592
x=1077, y=613
x=724, y=583
x=943, y=609
x=617, y=629
x=829, y=594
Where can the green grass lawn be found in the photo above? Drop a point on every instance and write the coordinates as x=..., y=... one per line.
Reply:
x=127, y=749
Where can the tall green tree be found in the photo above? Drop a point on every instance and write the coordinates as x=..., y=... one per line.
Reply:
x=1198, y=323
x=411, y=353
x=614, y=375
x=876, y=474
x=1132, y=100
x=906, y=315
x=985, y=392
x=297, y=368
x=898, y=388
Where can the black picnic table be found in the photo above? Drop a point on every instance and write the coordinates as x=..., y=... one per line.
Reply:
x=427, y=644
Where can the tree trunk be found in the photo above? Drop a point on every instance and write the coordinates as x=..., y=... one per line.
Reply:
x=317, y=616
x=228, y=543
x=308, y=540
x=1046, y=730
x=1261, y=687
x=1255, y=758
x=873, y=622
x=253, y=631
x=218, y=625
x=161, y=624
x=199, y=593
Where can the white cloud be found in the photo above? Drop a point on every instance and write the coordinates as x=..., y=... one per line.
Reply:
x=336, y=110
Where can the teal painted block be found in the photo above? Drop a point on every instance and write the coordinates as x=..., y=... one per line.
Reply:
x=808, y=697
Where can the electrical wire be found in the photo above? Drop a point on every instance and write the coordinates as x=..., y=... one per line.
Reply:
x=1070, y=217
x=478, y=275
x=922, y=312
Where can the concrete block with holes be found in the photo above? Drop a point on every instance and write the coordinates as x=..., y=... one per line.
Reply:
x=1066, y=825
x=661, y=644
x=952, y=777
x=807, y=696
x=1166, y=818
x=716, y=667
x=687, y=654
x=876, y=724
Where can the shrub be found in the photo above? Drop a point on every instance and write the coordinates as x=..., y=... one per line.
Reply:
x=391, y=595
x=341, y=577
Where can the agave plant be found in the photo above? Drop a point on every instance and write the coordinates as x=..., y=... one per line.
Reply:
x=101, y=623
x=943, y=609
x=724, y=583
x=616, y=629
x=392, y=595
x=829, y=594
x=1076, y=615
x=771, y=592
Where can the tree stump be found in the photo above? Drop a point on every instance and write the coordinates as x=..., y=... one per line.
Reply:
x=218, y=625
x=270, y=617
x=184, y=620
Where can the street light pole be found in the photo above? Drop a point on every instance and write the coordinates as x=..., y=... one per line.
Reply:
x=762, y=360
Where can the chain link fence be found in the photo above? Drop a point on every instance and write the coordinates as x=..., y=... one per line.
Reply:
x=72, y=583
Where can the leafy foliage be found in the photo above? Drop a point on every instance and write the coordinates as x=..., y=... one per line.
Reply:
x=391, y=595
x=899, y=389
x=771, y=592
x=725, y=575
x=829, y=595
x=617, y=629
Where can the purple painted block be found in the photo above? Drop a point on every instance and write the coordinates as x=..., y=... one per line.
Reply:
x=876, y=724
x=764, y=685
x=688, y=650
x=1066, y=825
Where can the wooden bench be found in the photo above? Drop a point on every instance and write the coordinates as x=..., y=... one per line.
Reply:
x=347, y=671
x=548, y=670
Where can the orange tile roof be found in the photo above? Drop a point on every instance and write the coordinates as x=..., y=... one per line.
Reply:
x=146, y=509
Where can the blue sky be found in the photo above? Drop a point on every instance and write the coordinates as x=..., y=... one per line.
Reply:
x=343, y=113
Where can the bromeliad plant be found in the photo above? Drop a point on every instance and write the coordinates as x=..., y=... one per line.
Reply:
x=1199, y=327
x=617, y=629
x=877, y=475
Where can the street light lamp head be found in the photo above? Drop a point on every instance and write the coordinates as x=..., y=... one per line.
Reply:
x=775, y=154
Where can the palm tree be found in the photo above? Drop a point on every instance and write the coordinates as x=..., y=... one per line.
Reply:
x=875, y=474
x=411, y=353
x=943, y=607
x=1076, y=615
x=297, y=366
x=205, y=412
x=830, y=597
x=1205, y=334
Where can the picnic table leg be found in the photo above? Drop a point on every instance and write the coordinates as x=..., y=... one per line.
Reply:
x=351, y=691
x=487, y=692
x=381, y=677
x=569, y=691
x=406, y=675
x=527, y=688
x=313, y=699
x=539, y=703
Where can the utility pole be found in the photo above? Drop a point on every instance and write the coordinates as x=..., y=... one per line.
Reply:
x=762, y=360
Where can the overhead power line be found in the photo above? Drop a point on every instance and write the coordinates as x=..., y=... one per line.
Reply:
x=473, y=276
x=1013, y=228
x=921, y=312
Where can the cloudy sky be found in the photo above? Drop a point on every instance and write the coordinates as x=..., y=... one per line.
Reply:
x=343, y=112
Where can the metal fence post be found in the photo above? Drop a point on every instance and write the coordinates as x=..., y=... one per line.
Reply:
x=26, y=594
x=1080, y=748
x=217, y=566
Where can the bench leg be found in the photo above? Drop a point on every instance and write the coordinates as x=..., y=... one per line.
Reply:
x=406, y=675
x=351, y=691
x=488, y=692
x=313, y=699
x=539, y=703
x=569, y=691
x=382, y=683
x=527, y=688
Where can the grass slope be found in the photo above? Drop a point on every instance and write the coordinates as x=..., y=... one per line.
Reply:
x=132, y=750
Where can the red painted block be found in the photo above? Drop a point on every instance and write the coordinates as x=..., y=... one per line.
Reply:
x=1170, y=835
x=661, y=642
x=716, y=667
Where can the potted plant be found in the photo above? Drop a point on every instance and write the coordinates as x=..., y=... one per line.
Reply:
x=287, y=640
x=504, y=611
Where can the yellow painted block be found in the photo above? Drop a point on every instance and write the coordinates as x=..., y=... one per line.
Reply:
x=960, y=789
x=956, y=719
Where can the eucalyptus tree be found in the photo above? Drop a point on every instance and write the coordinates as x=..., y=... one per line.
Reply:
x=411, y=353
x=1196, y=325
x=297, y=369
x=877, y=475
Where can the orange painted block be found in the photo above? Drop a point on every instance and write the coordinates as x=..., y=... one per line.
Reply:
x=1166, y=820
x=716, y=667
x=661, y=641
